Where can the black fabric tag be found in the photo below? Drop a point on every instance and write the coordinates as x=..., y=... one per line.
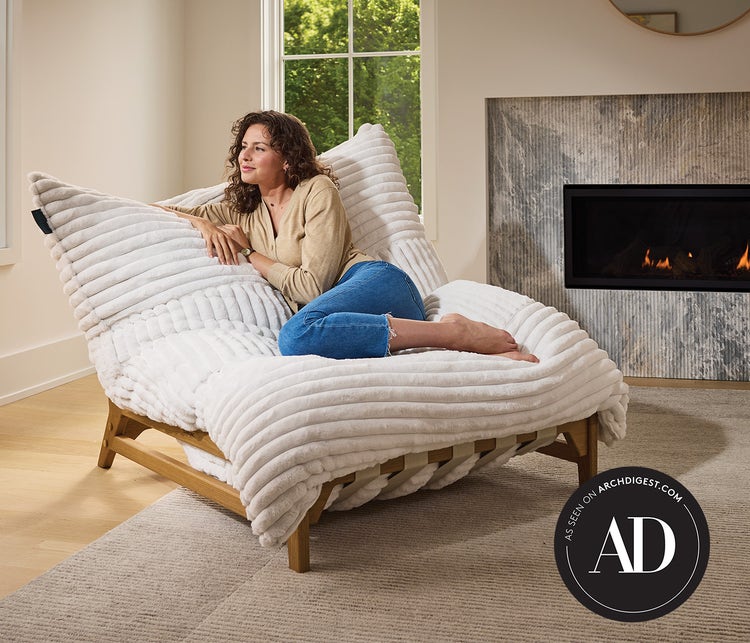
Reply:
x=41, y=221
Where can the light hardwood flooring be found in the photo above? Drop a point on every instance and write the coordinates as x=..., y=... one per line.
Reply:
x=54, y=500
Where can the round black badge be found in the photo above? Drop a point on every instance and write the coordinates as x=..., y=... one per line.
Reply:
x=632, y=544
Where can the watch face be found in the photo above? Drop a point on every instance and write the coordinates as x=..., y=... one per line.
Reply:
x=246, y=252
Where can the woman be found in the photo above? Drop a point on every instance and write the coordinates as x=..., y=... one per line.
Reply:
x=282, y=210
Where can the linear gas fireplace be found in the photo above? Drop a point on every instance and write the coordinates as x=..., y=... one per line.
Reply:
x=535, y=145
x=657, y=237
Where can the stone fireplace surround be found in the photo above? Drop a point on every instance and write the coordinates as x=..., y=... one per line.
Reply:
x=537, y=144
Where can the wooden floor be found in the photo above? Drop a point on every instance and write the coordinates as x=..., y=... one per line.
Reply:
x=54, y=499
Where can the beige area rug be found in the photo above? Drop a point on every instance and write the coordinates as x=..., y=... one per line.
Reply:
x=472, y=562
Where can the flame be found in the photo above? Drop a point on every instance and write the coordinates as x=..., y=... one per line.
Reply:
x=648, y=262
x=744, y=263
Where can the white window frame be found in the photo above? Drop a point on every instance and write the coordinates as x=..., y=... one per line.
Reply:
x=272, y=83
x=9, y=225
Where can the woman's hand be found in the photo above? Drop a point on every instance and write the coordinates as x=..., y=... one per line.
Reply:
x=236, y=234
x=223, y=242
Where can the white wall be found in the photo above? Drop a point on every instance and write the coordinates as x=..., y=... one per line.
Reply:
x=134, y=98
x=495, y=48
x=222, y=81
x=101, y=85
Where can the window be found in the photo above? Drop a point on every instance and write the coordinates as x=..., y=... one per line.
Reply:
x=337, y=64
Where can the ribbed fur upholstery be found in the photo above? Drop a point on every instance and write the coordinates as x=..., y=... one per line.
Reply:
x=180, y=338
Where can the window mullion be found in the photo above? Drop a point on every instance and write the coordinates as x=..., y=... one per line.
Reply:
x=354, y=54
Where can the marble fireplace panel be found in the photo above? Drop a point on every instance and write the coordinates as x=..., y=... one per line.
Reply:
x=538, y=144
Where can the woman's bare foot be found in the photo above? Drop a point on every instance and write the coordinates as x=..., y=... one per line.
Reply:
x=478, y=337
x=454, y=332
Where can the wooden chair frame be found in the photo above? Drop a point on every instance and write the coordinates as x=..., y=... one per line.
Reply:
x=575, y=442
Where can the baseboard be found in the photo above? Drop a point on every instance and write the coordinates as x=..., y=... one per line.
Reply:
x=43, y=367
x=675, y=383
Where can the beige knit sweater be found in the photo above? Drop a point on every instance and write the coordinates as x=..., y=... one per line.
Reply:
x=312, y=248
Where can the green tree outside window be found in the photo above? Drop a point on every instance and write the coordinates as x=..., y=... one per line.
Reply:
x=349, y=62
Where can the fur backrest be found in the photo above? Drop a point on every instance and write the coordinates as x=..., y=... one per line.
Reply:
x=118, y=257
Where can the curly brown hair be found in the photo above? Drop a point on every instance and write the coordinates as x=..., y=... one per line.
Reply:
x=290, y=138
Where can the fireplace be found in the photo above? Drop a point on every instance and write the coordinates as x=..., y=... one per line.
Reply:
x=657, y=237
x=535, y=145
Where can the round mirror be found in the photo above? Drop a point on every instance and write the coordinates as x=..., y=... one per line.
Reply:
x=683, y=17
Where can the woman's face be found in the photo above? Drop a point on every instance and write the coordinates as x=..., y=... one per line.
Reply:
x=259, y=163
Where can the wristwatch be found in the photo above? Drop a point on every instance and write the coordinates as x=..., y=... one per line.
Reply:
x=246, y=252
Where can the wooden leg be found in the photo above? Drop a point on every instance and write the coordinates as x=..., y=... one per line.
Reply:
x=580, y=446
x=117, y=424
x=298, y=547
x=588, y=462
x=107, y=455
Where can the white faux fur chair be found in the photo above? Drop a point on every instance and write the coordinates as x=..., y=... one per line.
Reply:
x=188, y=346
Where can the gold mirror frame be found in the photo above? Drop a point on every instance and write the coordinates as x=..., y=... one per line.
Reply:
x=668, y=22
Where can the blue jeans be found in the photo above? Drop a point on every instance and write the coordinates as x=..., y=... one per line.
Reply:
x=349, y=320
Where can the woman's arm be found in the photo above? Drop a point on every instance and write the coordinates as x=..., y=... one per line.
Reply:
x=261, y=263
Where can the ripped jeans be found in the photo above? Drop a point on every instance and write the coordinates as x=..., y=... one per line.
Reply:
x=350, y=320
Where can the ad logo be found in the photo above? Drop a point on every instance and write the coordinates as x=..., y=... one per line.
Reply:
x=632, y=544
